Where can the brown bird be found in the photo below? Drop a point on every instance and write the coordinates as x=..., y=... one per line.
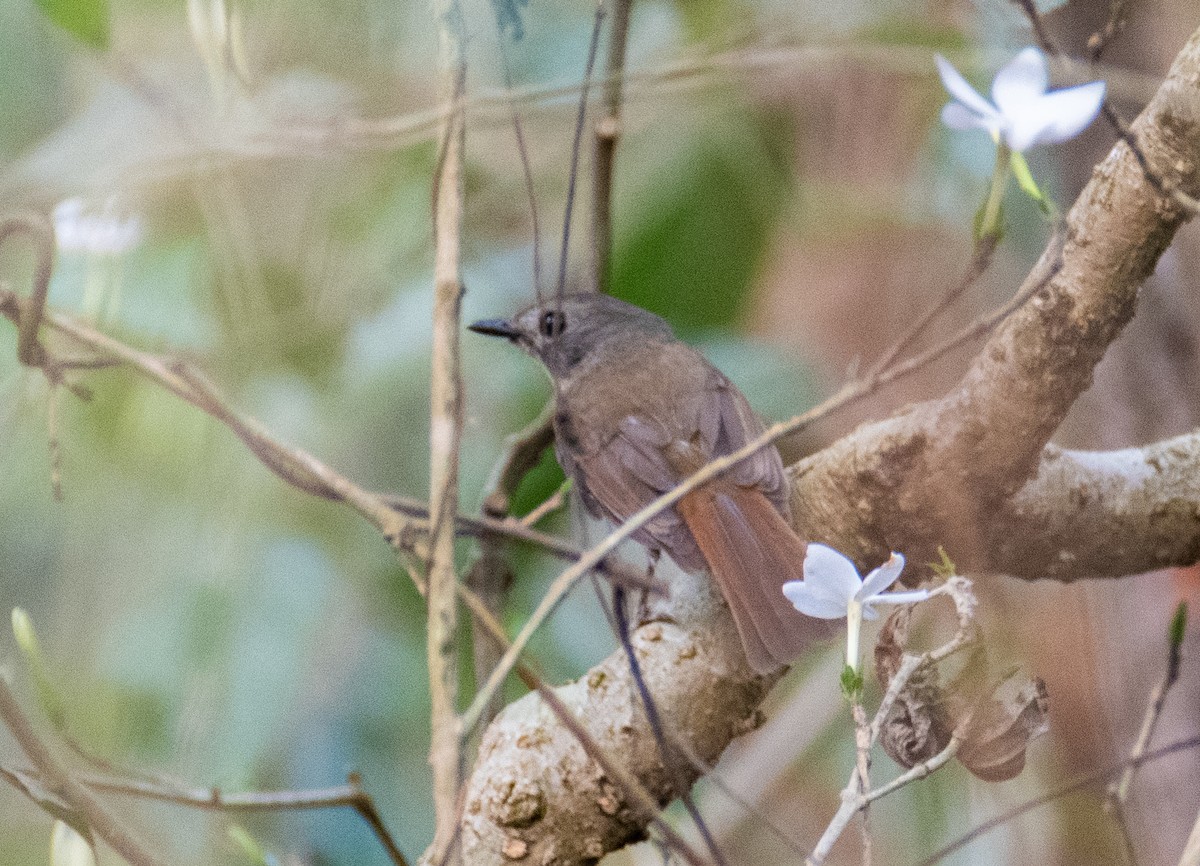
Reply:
x=636, y=412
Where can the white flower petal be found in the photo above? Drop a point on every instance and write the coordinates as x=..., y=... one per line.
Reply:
x=830, y=574
x=1057, y=116
x=957, y=116
x=1020, y=83
x=958, y=87
x=881, y=578
x=811, y=603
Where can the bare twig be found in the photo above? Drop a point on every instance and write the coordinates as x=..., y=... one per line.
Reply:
x=60, y=780
x=292, y=465
x=671, y=763
x=917, y=771
x=1078, y=784
x=607, y=135
x=522, y=451
x=1163, y=185
x=1118, y=791
x=857, y=794
x=490, y=575
x=862, y=773
x=849, y=393
x=1112, y=28
x=41, y=234
x=573, y=174
x=526, y=171
x=713, y=778
x=445, y=431
x=349, y=796
x=692, y=71
x=981, y=260
x=549, y=505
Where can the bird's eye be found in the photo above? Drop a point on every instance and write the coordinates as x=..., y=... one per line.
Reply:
x=553, y=323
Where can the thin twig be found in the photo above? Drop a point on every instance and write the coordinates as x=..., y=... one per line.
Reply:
x=526, y=171
x=60, y=780
x=713, y=778
x=849, y=393
x=1063, y=790
x=445, y=433
x=981, y=260
x=679, y=781
x=549, y=505
x=490, y=576
x=349, y=796
x=1099, y=40
x=1118, y=791
x=857, y=795
x=607, y=134
x=41, y=233
x=862, y=774
x=572, y=176
x=391, y=132
x=1165, y=187
x=293, y=465
x=917, y=771
x=522, y=451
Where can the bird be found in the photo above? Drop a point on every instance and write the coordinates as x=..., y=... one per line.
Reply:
x=636, y=411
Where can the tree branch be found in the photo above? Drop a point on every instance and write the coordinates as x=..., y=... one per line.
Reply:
x=935, y=473
x=445, y=433
x=939, y=472
x=607, y=134
x=1102, y=514
x=59, y=779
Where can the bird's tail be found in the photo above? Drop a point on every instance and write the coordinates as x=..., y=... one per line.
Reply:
x=752, y=551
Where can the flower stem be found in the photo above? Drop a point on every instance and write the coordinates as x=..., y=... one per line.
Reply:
x=853, y=630
x=988, y=224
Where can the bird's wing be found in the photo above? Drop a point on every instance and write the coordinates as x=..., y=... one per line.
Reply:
x=650, y=452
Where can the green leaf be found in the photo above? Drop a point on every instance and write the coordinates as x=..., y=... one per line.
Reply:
x=1026, y=182
x=1178, y=626
x=51, y=701
x=945, y=568
x=254, y=852
x=911, y=28
x=979, y=231
x=1175, y=642
x=852, y=683
x=86, y=20
x=700, y=224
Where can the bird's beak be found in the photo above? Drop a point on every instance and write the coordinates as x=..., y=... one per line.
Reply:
x=495, y=328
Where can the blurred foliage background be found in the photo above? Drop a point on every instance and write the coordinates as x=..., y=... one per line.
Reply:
x=784, y=194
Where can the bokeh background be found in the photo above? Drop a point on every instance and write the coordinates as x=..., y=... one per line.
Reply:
x=784, y=194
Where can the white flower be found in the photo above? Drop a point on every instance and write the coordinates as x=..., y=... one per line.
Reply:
x=104, y=233
x=831, y=584
x=832, y=588
x=1021, y=112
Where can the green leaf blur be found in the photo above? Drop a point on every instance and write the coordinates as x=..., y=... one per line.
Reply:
x=86, y=20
